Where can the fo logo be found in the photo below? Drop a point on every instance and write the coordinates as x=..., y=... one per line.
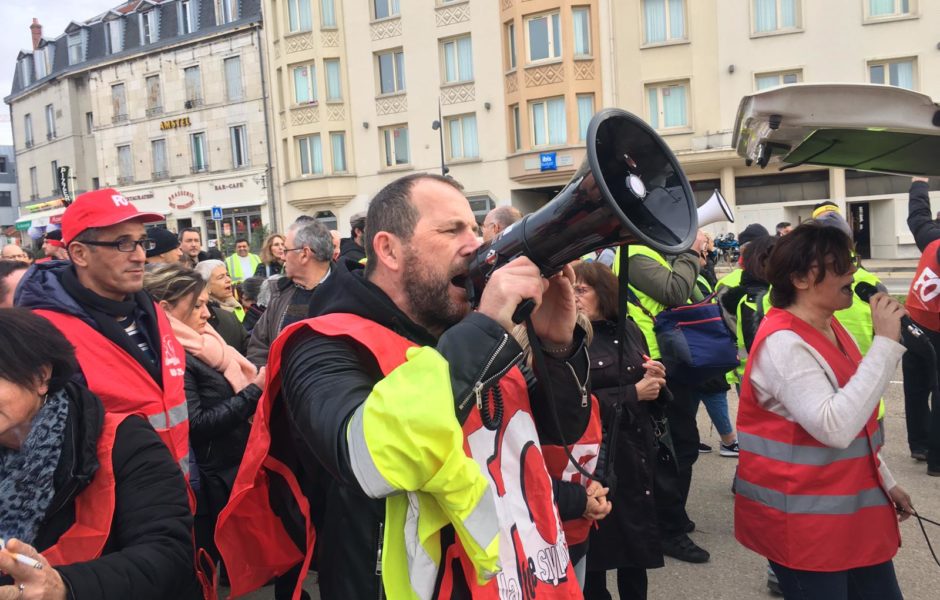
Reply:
x=119, y=200
x=927, y=286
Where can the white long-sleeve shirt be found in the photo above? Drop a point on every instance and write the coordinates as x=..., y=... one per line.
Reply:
x=791, y=379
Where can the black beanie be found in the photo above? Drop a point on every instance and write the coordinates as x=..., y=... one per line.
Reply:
x=166, y=241
x=751, y=233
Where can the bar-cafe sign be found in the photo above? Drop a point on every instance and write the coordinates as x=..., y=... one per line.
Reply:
x=175, y=123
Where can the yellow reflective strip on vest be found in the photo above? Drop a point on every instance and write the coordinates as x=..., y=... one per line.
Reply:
x=642, y=320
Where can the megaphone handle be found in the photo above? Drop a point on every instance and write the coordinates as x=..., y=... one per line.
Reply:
x=523, y=311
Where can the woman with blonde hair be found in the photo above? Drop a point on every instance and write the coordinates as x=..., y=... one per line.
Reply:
x=222, y=390
x=272, y=256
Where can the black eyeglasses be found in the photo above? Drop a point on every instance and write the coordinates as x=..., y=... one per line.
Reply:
x=126, y=245
x=286, y=249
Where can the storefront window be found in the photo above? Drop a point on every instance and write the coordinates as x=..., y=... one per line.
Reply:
x=237, y=223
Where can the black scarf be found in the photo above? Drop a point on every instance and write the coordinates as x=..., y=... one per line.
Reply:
x=106, y=313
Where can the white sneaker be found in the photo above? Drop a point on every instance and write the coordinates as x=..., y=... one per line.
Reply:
x=730, y=450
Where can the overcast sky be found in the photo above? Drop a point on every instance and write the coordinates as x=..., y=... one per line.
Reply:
x=16, y=16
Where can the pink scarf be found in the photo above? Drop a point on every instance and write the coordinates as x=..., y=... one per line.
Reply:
x=211, y=349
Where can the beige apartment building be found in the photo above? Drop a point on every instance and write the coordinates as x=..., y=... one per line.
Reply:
x=163, y=100
x=684, y=65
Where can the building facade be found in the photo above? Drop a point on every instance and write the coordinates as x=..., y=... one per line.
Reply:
x=685, y=65
x=168, y=101
x=9, y=197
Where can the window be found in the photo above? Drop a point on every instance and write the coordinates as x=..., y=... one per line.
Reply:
x=227, y=11
x=26, y=71
x=41, y=62
x=114, y=36
x=89, y=123
x=305, y=84
x=458, y=59
x=668, y=105
x=239, y=146
x=298, y=15
x=76, y=43
x=186, y=17
x=462, y=137
x=3, y=164
x=234, y=91
x=50, y=122
x=383, y=9
x=511, y=43
x=158, y=159
x=334, y=87
x=544, y=37
x=395, y=145
x=769, y=80
x=775, y=15
x=516, y=128
x=28, y=129
x=327, y=14
x=663, y=21
x=581, y=17
x=154, y=97
x=338, y=150
x=148, y=27
x=125, y=165
x=585, y=112
x=193, y=80
x=118, y=103
x=888, y=8
x=56, y=188
x=33, y=183
x=549, y=122
x=899, y=73
x=6, y=199
x=200, y=150
x=391, y=72
x=311, y=155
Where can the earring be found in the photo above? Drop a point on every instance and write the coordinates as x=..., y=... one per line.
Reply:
x=45, y=398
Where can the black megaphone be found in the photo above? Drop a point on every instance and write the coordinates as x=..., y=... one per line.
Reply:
x=629, y=189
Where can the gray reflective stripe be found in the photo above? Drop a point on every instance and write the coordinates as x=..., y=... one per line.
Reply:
x=794, y=504
x=367, y=474
x=184, y=465
x=483, y=522
x=422, y=570
x=171, y=418
x=807, y=455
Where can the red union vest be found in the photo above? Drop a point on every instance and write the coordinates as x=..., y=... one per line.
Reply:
x=533, y=552
x=923, y=299
x=125, y=387
x=585, y=451
x=94, y=507
x=798, y=502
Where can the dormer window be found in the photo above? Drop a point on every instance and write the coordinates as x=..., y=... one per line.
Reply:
x=76, y=47
x=114, y=36
x=186, y=16
x=149, y=30
x=42, y=62
x=26, y=71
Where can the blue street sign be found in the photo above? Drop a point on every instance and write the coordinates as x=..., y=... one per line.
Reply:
x=216, y=213
x=548, y=161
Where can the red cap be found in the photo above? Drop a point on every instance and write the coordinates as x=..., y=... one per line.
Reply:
x=101, y=208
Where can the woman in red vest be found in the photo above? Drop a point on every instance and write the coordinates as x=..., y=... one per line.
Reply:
x=92, y=505
x=812, y=492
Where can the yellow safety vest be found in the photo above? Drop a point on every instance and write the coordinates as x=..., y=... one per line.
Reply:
x=652, y=306
x=234, y=266
x=732, y=279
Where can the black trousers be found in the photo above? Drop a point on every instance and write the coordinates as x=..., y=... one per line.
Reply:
x=923, y=424
x=631, y=584
x=672, y=482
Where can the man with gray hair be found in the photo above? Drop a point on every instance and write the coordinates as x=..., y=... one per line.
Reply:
x=308, y=253
x=499, y=219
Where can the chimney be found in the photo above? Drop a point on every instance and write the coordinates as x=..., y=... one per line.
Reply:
x=36, y=30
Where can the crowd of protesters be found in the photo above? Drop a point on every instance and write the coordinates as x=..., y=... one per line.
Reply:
x=334, y=404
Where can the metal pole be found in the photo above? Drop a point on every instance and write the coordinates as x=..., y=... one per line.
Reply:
x=440, y=135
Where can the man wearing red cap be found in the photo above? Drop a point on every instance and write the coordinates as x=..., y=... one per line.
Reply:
x=126, y=349
x=52, y=247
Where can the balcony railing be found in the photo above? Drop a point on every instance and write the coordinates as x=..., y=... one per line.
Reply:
x=119, y=118
x=50, y=136
x=193, y=103
x=199, y=168
x=29, y=143
x=125, y=180
x=156, y=175
x=154, y=110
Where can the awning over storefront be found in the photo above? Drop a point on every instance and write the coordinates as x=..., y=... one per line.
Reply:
x=40, y=219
